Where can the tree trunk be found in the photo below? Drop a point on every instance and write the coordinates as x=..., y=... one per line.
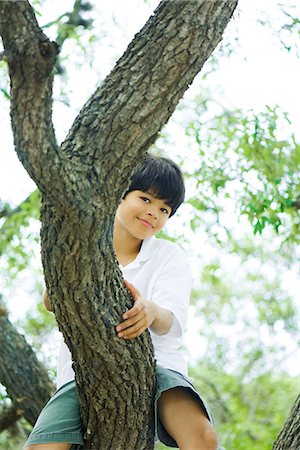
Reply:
x=26, y=380
x=115, y=377
x=289, y=437
x=82, y=183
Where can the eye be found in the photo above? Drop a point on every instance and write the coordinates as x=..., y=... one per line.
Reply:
x=164, y=210
x=145, y=199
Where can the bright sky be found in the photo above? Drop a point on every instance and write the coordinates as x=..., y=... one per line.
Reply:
x=259, y=73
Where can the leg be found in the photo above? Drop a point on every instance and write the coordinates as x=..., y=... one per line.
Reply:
x=58, y=426
x=50, y=446
x=185, y=421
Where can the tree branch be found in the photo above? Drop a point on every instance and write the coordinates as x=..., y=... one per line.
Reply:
x=296, y=204
x=8, y=417
x=66, y=29
x=27, y=382
x=31, y=58
x=75, y=20
x=127, y=111
x=124, y=116
x=289, y=437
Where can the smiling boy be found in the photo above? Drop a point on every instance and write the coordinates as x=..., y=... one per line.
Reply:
x=140, y=216
x=159, y=279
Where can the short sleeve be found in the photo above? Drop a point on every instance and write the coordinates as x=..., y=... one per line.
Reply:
x=172, y=288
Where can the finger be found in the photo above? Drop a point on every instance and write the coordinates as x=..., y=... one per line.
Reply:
x=134, y=333
x=136, y=309
x=132, y=289
x=130, y=330
x=128, y=323
x=46, y=301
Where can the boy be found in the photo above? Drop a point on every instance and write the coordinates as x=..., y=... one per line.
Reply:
x=158, y=278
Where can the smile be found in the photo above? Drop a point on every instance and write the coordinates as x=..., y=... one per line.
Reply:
x=145, y=223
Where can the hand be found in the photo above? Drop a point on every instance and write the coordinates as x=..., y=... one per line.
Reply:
x=46, y=301
x=139, y=317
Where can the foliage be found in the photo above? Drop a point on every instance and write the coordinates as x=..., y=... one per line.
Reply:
x=254, y=318
x=287, y=28
x=74, y=25
x=244, y=411
x=4, y=81
x=13, y=437
x=18, y=234
x=244, y=157
x=71, y=25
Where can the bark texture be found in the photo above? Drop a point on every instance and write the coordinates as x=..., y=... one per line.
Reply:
x=26, y=380
x=289, y=437
x=82, y=183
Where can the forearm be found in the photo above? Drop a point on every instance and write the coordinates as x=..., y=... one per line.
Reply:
x=163, y=321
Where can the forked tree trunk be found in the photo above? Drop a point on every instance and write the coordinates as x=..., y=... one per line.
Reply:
x=82, y=183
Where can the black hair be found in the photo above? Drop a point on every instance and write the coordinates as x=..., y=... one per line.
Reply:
x=162, y=178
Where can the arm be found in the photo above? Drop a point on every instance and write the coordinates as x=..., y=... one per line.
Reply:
x=163, y=321
x=46, y=301
x=144, y=314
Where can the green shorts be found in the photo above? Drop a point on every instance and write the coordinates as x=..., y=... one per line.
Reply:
x=59, y=421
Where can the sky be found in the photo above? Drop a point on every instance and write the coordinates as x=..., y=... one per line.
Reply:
x=259, y=73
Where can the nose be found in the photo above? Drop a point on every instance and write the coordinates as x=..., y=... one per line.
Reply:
x=152, y=212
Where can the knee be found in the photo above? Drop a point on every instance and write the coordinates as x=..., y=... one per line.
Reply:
x=210, y=439
x=199, y=437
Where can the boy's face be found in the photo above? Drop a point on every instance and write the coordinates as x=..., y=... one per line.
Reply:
x=142, y=214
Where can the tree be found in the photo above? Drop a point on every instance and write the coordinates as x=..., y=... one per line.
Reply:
x=27, y=376
x=80, y=196
x=289, y=436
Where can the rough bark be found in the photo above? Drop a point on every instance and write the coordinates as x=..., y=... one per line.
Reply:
x=82, y=183
x=289, y=437
x=30, y=56
x=115, y=377
x=26, y=380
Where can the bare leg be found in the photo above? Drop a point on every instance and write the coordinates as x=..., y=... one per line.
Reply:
x=184, y=419
x=50, y=446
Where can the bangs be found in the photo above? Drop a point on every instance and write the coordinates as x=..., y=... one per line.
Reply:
x=162, y=178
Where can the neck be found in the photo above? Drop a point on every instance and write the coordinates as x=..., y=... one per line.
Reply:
x=125, y=245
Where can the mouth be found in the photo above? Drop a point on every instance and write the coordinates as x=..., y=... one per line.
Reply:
x=145, y=223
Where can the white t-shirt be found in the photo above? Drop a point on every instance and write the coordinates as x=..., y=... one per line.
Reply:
x=161, y=273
